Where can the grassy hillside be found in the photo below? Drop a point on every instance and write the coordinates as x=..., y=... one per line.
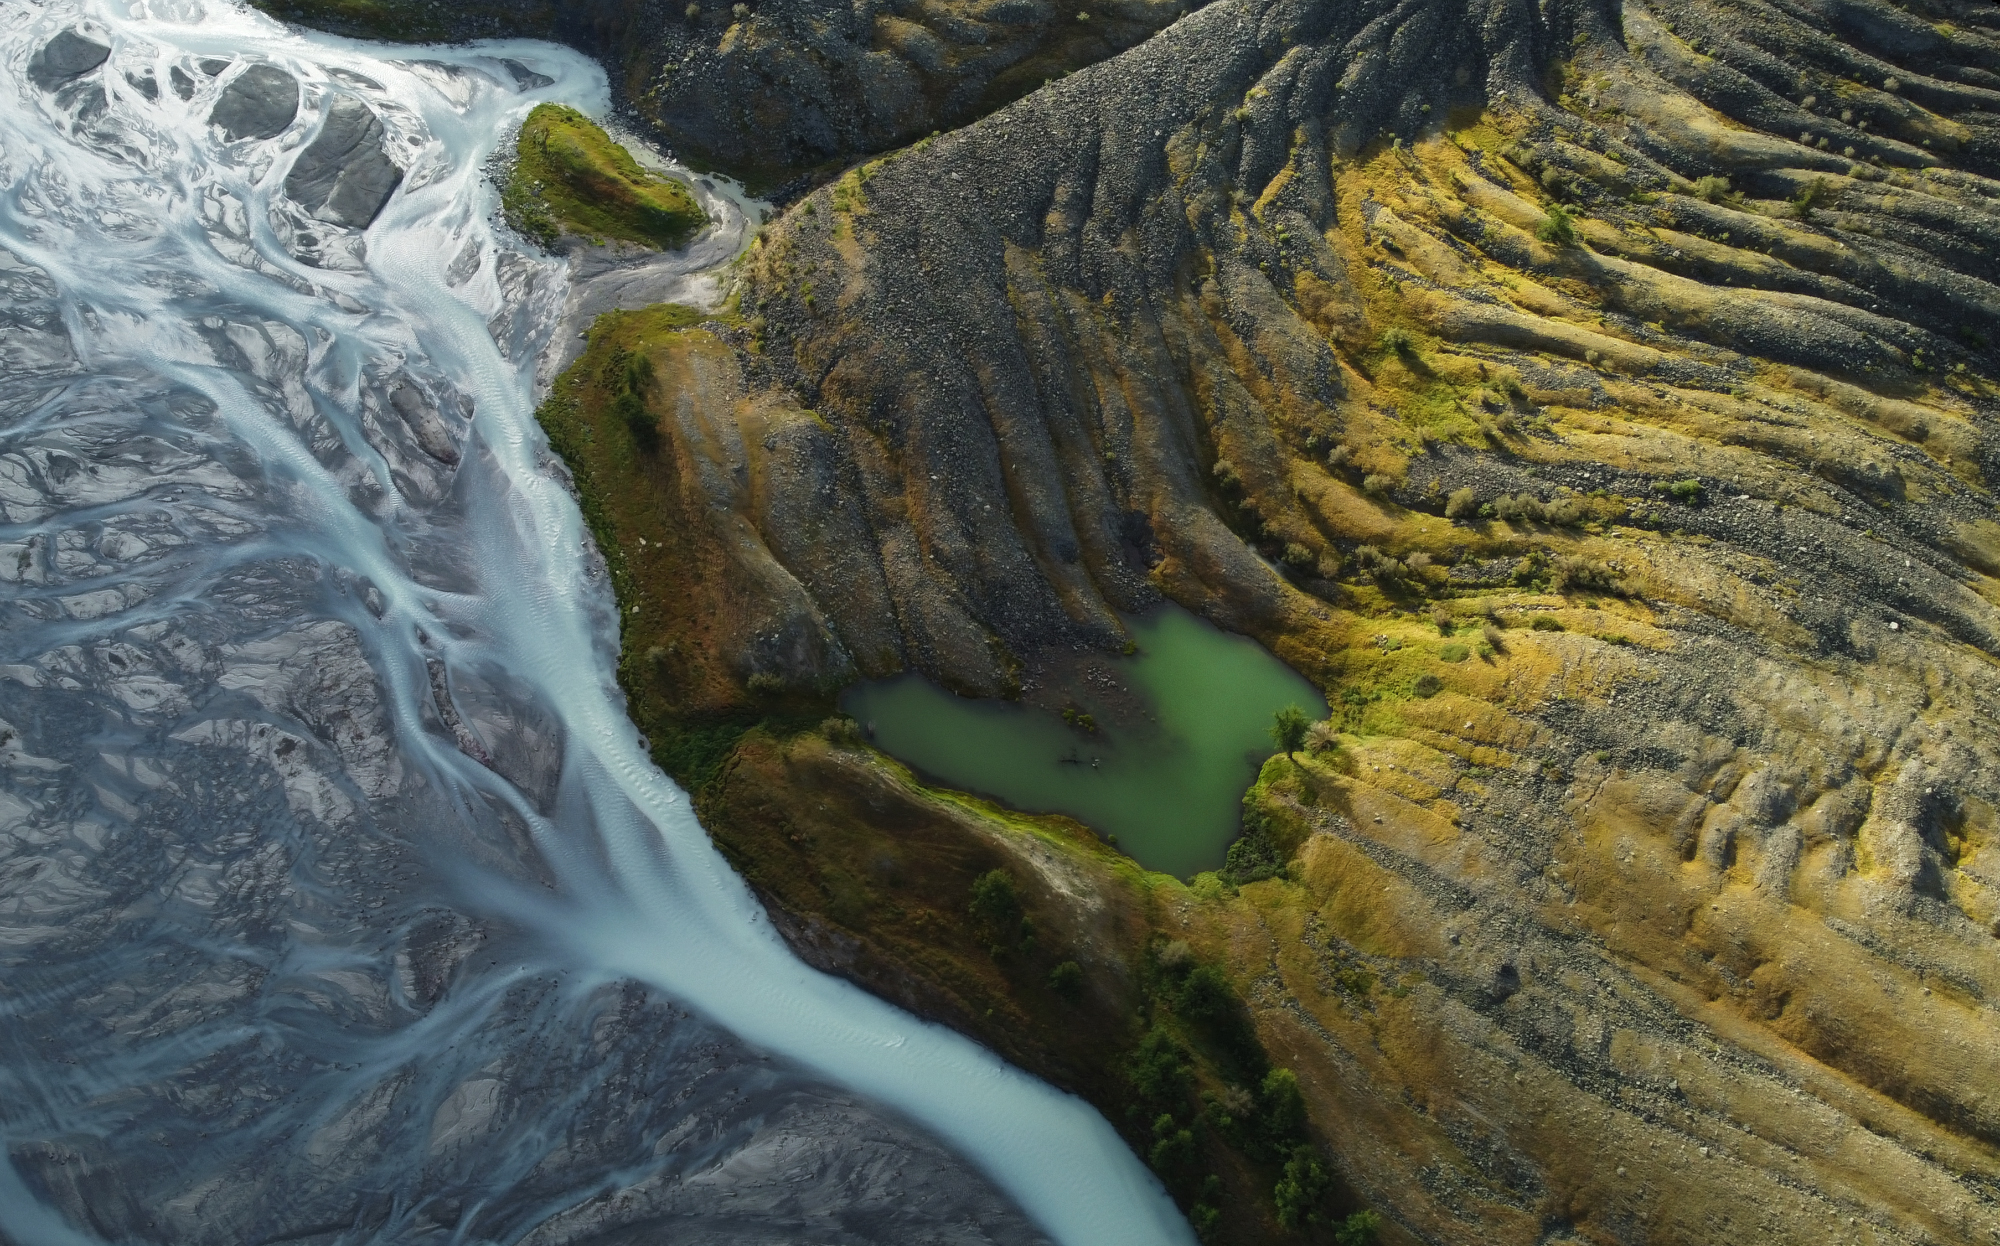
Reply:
x=568, y=177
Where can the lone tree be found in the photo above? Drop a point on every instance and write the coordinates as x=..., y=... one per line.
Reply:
x=1288, y=729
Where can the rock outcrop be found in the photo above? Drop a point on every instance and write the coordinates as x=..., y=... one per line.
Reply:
x=258, y=103
x=64, y=59
x=345, y=176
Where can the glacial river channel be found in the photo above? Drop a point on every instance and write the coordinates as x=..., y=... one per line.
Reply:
x=338, y=899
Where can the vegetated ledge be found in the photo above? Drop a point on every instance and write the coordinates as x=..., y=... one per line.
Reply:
x=961, y=911
x=569, y=177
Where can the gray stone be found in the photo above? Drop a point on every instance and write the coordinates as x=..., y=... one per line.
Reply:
x=183, y=85
x=65, y=58
x=260, y=103
x=526, y=79
x=345, y=177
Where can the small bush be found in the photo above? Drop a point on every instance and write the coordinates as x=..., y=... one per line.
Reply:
x=1804, y=202
x=1158, y=1070
x=1300, y=1190
x=1428, y=686
x=1396, y=342
x=1339, y=457
x=1173, y=1147
x=1377, y=565
x=1573, y=574
x=1297, y=555
x=1377, y=484
x=1547, y=623
x=1712, y=188
x=1493, y=636
x=1205, y=995
x=1225, y=474
x=995, y=906
x=1066, y=980
x=1359, y=1229
x=1441, y=619
x=1288, y=729
x=1461, y=503
x=1558, y=228
x=1253, y=857
x=1688, y=492
x=1454, y=653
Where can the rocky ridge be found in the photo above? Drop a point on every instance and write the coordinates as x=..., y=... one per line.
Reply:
x=1604, y=416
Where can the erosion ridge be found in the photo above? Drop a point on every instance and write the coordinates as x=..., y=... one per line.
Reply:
x=783, y=93
x=1597, y=401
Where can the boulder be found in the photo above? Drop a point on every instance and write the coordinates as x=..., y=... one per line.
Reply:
x=259, y=103
x=345, y=176
x=65, y=58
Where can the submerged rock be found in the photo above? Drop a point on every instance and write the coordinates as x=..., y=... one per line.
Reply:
x=65, y=58
x=183, y=85
x=259, y=104
x=345, y=176
x=525, y=78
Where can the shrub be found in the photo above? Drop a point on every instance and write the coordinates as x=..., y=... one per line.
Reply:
x=1205, y=995
x=1158, y=1070
x=1461, y=503
x=1253, y=857
x=1225, y=474
x=1377, y=484
x=1359, y=1229
x=1396, y=341
x=1441, y=619
x=1558, y=228
x=1297, y=555
x=629, y=376
x=1712, y=188
x=994, y=903
x=1454, y=653
x=1493, y=636
x=1376, y=564
x=1173, y=1147
x=1688, y=492
x=1288, y=729
x=1804, y=202
x=1428, y=686
x=1547, y=623
x=1299, y=1191
x=1281, y=1110
x=1066, y=980
x=1572, y=574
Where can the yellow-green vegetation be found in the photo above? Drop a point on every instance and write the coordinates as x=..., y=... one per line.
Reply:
x=604, y=418
x=569, y=177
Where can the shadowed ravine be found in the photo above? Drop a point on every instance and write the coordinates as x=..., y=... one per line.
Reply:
x=338, y=899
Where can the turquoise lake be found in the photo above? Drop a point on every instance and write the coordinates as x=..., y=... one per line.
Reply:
x=1166, y=781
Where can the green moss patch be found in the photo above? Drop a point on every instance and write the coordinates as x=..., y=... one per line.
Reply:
x=569, y=177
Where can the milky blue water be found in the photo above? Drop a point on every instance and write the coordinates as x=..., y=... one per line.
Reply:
x=329, y=849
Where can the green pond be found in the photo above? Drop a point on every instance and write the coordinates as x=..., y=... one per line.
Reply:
x=1181, y=729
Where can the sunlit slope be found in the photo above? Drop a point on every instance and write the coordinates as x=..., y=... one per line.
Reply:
x=1609, y=441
